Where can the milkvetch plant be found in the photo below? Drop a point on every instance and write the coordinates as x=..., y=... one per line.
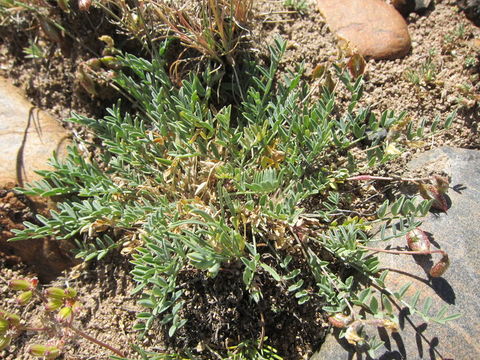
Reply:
x=191, y=184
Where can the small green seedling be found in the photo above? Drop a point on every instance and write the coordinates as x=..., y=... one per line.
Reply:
x=60, y=306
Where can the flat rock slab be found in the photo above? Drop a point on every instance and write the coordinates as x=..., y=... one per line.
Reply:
x=458, y=233
x=374, y=28
x=28, y=136
x=471, y=9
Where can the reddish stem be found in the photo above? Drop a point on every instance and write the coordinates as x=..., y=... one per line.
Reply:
x=404, y=252
x=94, y=340
x=394, y=178
x=77, y=331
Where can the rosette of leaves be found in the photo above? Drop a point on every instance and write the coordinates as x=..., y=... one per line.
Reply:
x=198, y=185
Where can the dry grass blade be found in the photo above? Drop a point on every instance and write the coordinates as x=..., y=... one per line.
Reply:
x=215, y=30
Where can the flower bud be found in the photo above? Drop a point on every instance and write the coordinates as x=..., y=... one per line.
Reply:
x=4, y=326
x=70, y=293
x=439, y=268
x=65, y=315
x=55, y=293
x=46, y=351
x=20, y=284
x=4, y=342
x=417, y=240
x=13, y=319
x=53, y=304
x=25, y=297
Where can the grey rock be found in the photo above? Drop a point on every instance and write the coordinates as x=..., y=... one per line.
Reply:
x=458, y=233
x=28, y=137
x=471, y=8
x=405, y=7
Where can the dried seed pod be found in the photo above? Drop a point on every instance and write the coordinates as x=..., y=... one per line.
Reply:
x=63, y=4
x=328, y=83
x=319, y=71
x=356, y=65
x=430, y=192
x=110, y=62
x=441, y=183
x=84, y=5
x=86, y=81
x=417, y=240
x=440, y=267
x=340, y=320
x=352, y=336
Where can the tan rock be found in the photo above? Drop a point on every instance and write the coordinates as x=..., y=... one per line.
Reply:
x=372, y=27
x=28, y=137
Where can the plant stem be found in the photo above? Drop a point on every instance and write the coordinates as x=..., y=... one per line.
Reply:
x=404, y=252
x=388, y=178
x=94, y=340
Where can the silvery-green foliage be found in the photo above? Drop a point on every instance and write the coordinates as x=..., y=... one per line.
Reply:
x=200, y=185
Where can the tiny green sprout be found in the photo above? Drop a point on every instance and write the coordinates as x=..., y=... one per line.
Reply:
x=45, y=351
x=54, y=293
x=4, y=326
x=13, y=319
x=4, y=341
x=25, y=297
x=65, y=315
x=53, y=304
x=53, y=298
x=23, y=284
x=70, y=293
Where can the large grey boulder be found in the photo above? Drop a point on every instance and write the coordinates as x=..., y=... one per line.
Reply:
x=458, y=233
x=28, y=137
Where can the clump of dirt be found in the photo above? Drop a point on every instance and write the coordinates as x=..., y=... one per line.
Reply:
x=46, y=257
